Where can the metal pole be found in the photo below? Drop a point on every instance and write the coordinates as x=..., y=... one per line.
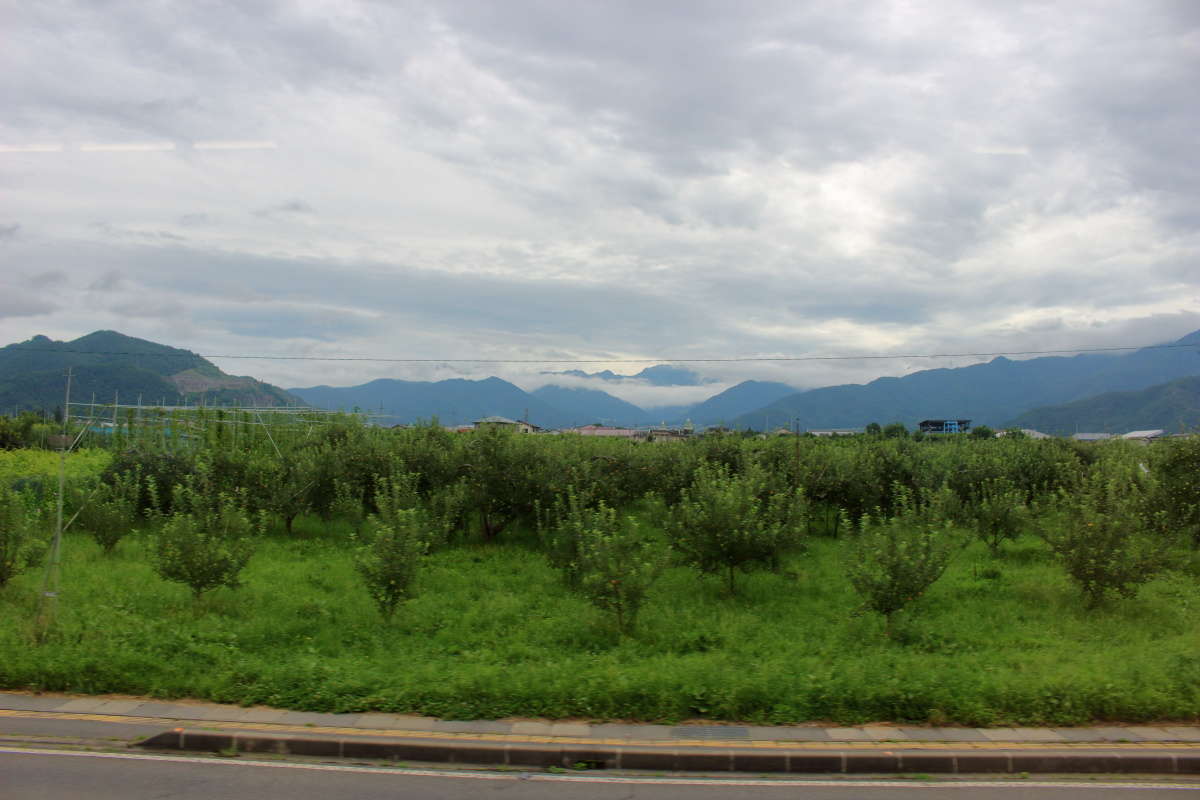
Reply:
x=50, y=579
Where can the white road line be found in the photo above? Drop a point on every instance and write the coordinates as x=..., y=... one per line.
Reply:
x=541, y=776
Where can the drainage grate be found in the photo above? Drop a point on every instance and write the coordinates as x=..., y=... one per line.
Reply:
x=710, y=732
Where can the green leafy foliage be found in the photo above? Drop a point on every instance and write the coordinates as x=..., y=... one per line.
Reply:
x=997, y=514
x=894, y=558
x=492, y=632
x=561, y=530
x=618, y=563
x=206, y=545
x=1178, y=487
x=723, y=522
x=609, y=560
x=21, y=544
x=110, y=510
x=391, y=558
x=1108, y=535
x=282, y=484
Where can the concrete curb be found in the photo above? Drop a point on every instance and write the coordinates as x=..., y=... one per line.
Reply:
x=668, y=758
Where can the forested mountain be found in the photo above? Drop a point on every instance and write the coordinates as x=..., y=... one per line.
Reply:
x=588, y=406
x=1060, y=393
x=1174, y=407
x=453, y=402
x=988, y=394
x=110, y=365
x=724, y=408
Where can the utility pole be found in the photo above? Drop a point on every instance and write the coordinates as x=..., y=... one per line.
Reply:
x=796, y=425
x=50, y=579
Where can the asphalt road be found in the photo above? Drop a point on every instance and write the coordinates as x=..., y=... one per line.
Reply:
x=27, y=774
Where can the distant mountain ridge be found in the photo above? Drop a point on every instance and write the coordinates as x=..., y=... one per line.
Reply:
x=1173, y=407
x=727, y=406
x=112, y=365
x=587, y=406
x=991, y=393
x=658, y=375
x=456, y=401
x=459, y=401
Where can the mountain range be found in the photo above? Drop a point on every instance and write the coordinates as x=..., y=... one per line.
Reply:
x=107, y=365
x=1173, y=407
x=994, y=393
x=1154, y=387
x=658, y=375
x=458, y=401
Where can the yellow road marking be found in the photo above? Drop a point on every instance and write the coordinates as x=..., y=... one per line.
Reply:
x=892, y=744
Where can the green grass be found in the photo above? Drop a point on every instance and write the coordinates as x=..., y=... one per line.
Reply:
x=42, y=465
x=493, y=633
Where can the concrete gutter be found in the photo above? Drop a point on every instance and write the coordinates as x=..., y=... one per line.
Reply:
x=1165, y=749
x=670, y=757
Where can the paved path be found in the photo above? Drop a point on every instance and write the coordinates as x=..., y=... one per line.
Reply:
x=212, y=727
x=164, y=712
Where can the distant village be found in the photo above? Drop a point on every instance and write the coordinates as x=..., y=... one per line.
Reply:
x=686, y=431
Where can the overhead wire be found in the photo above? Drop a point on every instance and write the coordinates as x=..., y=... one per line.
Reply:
x=707, y=360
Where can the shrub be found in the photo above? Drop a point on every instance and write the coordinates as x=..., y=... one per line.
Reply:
x=285, y=483
x=206, y=546
x=111, y=510
x=723, y=524
x=1178, y=490
x=20, y=544
x=998, y=513
x=618, y=564
x=1107, y=536
x=347, y=504
x=893, y=559
x=161, y=472
x=397, y=499
x=389, y=561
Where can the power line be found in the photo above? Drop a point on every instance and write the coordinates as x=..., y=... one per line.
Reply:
x=733, y=359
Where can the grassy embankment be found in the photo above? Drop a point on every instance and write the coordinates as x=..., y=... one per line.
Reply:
x=494, y=633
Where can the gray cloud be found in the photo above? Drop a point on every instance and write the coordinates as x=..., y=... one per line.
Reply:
x=16, y=302
x=47, y=279
x=536, y=179
x=110, y=281
x=286, y=208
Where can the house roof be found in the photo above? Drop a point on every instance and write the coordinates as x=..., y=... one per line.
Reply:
x=604, y=430
x=1151, y=434
x=496, y=421
x=1029, y=432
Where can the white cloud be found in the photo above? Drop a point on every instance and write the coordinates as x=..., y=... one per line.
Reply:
x=618, y=180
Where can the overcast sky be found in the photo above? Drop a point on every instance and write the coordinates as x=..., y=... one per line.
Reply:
x=602, y=180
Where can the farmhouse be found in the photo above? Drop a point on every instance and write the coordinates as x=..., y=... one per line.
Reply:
x=1144, y=436
x=668, y=434
x=605, y=430
x=505, y=422
x=1029, y=433
x=1091, y=437
x=944, y=425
